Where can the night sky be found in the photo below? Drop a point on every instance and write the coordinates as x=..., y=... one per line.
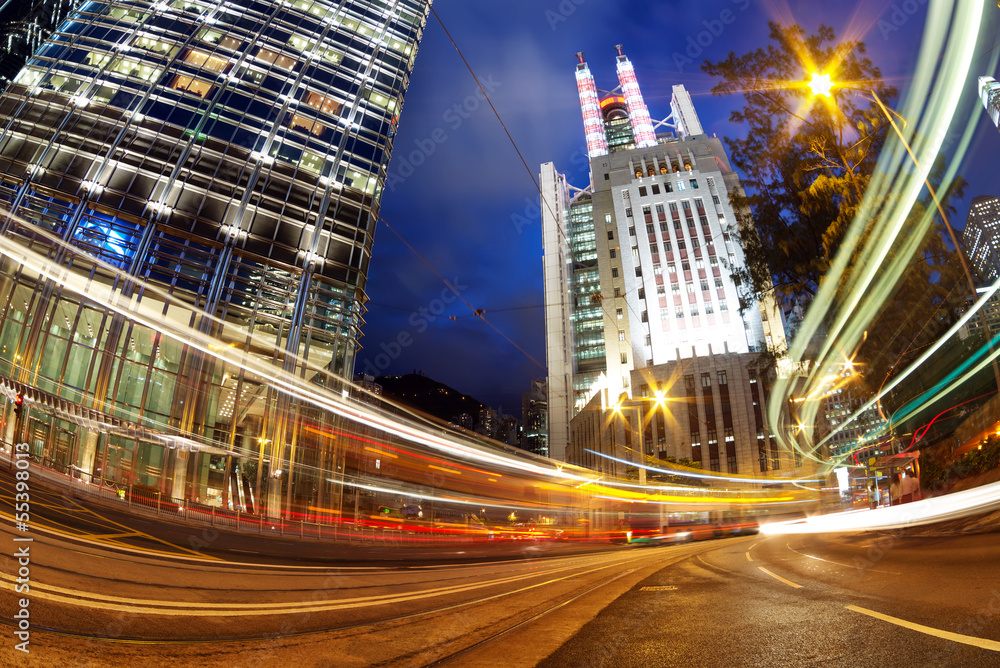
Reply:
x=459, y=194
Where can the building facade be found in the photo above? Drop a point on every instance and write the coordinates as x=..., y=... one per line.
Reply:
x=989, y=93
x=224, y=157
x=846, y=435
x=704, y=411
x=534, y=415
x=26, y=32
x=639, y=292
x=981, y=236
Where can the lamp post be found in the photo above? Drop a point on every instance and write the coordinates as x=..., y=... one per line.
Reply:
x=823, y=85
x=638, y=404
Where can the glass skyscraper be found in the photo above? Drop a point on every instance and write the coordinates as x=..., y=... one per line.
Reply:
x=981, y=236
x=226, y=156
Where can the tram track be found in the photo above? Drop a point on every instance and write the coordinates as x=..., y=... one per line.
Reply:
x=378, y=624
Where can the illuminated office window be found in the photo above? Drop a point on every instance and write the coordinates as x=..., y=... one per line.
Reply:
x=208, y=61
x=189, y=6
x=300, y=43
x=325, y=104
x=98, y=59
x=127, y=15
x=329, y=55
x=133, y=68
x=357, y=27
x=312, y=162
x=380, y=100
x=28, y=77
x=398, y=45
x=63, y=84
x=297, y=122
x=196, y=86
x=309, y=7
x=218, y=38
x=277, y=59
x=104, y=94
x=157, y=46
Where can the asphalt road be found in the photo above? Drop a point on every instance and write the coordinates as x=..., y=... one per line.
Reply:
x=817, y=600
x=105, y=591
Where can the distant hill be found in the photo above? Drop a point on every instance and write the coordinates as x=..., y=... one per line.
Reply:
x=428, y=396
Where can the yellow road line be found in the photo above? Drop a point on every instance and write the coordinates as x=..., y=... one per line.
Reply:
x=68, y=532
x=991, y=645
x=780, y=579
x=220, y=609
x=749, y=558
x=112, y=536
x=146, y=535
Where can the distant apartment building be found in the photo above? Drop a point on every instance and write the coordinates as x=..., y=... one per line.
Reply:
x=509, y=430
x=488, y=422
x=846, y=434
x=990, y=312
x=464, y=420
x=365, y=389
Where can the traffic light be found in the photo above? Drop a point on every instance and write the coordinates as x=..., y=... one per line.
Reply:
x=18, y=404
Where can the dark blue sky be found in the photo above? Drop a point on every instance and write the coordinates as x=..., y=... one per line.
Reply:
x=459, y=194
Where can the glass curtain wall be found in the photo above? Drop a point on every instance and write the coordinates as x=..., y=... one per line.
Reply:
x=218, y=164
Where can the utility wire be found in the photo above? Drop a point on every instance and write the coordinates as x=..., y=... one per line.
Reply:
x=478, y=312
x=596, y=294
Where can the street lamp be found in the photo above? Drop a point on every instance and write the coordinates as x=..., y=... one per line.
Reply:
x=659, y=400
x=820, y=85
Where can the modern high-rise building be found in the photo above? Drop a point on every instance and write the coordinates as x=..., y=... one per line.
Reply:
x=981, y=236
x=224, y=156
x=989, y=93
x=534, y=415
x=643, y=317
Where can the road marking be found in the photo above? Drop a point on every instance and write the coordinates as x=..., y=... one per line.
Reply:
x=131, y=532
x=778, y=577
x=837, y=563
x=221, y=609
x=749, y=558
x=992, y=645
x=658, y=588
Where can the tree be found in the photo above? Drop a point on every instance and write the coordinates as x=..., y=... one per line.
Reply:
x=806, y=164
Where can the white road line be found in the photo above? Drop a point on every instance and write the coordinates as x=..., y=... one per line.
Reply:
x=837, y=563
x=781, y=579
x=992, y=645
x=749, y=558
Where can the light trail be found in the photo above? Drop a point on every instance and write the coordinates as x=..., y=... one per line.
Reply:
x=707, y=475
x=928, y=511
x=884, y=236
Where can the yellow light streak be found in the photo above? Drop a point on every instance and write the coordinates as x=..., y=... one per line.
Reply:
x=381, y=453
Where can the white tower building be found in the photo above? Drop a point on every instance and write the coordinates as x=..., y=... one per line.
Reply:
x=640, y=298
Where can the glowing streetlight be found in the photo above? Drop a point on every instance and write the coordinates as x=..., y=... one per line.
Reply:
x=820, y=84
